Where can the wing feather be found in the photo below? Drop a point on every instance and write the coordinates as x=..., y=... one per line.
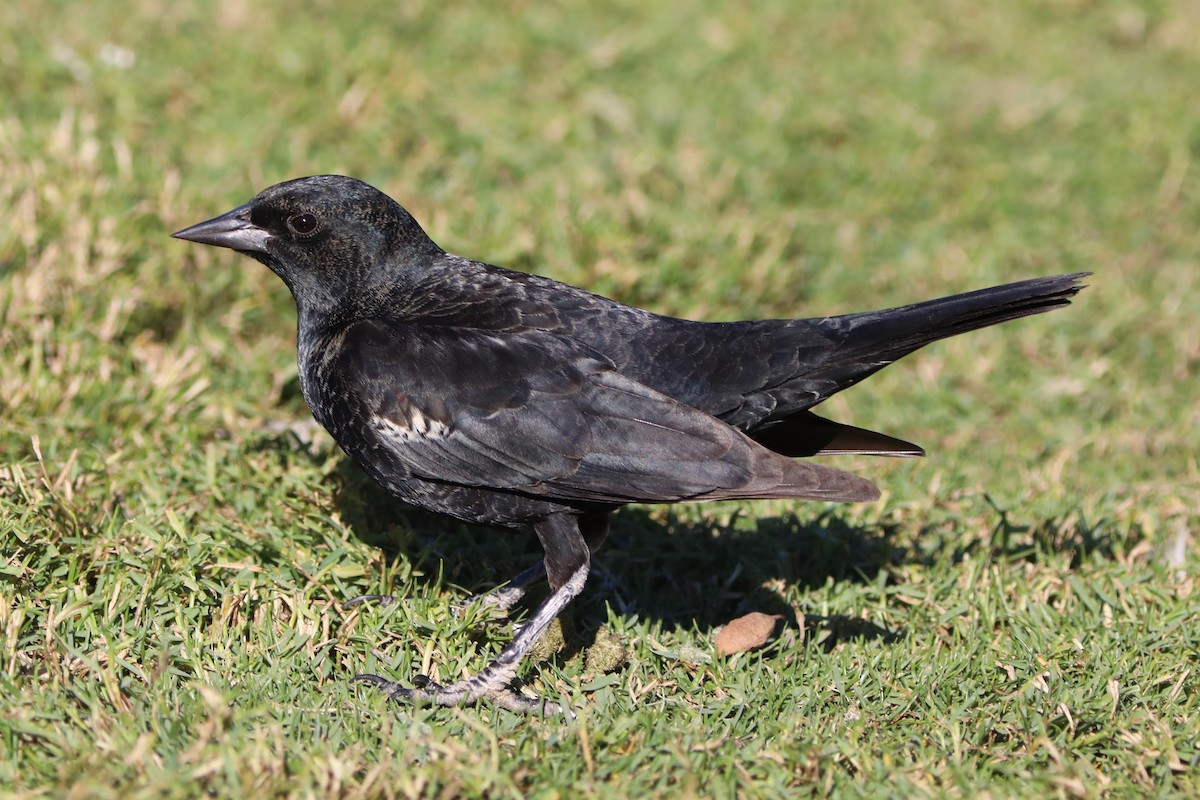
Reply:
x=539, y=414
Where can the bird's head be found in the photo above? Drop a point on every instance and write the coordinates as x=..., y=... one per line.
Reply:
x=338, y=243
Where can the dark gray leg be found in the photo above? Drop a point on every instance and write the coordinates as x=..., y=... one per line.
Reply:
x=505, y=597
x=594, y=528
x=567, y=561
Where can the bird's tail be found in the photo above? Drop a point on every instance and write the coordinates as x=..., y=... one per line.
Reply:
x=872, y=340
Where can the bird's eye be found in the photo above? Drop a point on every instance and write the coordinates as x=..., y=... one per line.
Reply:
x=303, y=223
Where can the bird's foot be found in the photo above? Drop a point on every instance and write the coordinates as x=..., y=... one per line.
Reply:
x=500, y=600
x=465, y=692
x=503, y=598
x=378, y=599
x=494, y=682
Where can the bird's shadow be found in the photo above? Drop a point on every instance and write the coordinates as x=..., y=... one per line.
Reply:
x=656, y=564
x=661, y=565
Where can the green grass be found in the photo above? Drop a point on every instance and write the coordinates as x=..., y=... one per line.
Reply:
x=1020, y=614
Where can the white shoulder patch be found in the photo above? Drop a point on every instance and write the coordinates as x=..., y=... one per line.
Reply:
x=418, y=427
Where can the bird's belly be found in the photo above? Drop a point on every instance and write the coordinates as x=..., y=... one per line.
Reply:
x=467, y=503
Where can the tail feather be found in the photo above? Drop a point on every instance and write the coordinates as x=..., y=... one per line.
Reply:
x=897, y=332
x=806, y=434
x=872, y=340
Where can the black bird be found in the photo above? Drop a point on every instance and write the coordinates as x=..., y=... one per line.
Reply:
x=512, y=400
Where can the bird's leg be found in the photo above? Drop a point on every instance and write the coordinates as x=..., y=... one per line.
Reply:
x=380, y=599
x=567, y=562
x=505, y=597
x=594, y=528
x=502, y=598
x=493, y=682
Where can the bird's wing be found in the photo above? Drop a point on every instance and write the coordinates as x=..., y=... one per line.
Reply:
x=538, y=414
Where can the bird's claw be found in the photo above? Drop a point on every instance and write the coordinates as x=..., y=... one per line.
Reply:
x=380, y=599
x=425, y=691
x=500, y=600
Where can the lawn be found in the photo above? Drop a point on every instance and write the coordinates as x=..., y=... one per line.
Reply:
x=1018, y=616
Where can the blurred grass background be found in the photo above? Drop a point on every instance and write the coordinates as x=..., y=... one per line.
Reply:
x=1018, y=616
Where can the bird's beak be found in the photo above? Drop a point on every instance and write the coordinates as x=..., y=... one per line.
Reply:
x=232, y=229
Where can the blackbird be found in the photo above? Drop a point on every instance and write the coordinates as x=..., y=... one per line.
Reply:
x=512, y=400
